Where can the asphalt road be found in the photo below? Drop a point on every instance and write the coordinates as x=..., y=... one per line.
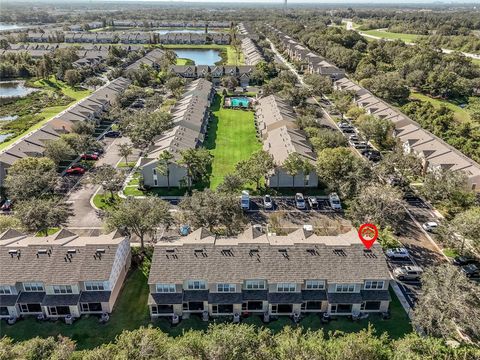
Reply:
x=85, y=216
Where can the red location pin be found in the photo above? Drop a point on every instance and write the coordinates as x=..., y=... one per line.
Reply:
x=368, y=233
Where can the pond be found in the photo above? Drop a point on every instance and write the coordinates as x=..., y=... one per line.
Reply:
x=4, y=26
x=4, y=137
x=8, y=118
x=195, y=31
x=13, y=89
x=200, y=56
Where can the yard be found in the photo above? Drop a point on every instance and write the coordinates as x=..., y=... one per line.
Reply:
x=409, y=38
x=231, y=138
x=131, y=312
x=460, y=113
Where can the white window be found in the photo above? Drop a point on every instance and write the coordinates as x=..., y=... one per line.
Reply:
x=286, y=287
x=94, y=286
x=345, y=288
x=165, y=288
x=196, y=285
x=226, y=287
x=32, y=286
x=255, y=285
x=314, y=284
x=374, y=285
x=5, y=290
x=62, y=289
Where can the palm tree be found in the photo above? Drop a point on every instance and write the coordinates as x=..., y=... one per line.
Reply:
x=163, y=166
x=124, y=151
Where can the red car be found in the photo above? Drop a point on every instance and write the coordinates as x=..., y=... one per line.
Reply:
x=89, y=157
x=75, y=170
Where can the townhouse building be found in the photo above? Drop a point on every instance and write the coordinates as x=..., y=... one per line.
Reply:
x=434, y=152
x=251, y=52
x=89, y=109
x=215, y=73
x=259, y=273
x=152, y=58
x=190, y=117
x=276, y=126
x=62, y=274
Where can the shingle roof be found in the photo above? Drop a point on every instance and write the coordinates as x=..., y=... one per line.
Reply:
x=30, y=297
x=335, y=258
x=60, y=300
x=95, y=296
x=344, y=298
x=8, y=300
x=285, y=298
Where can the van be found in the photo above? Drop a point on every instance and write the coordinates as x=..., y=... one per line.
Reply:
x=334, y=201
x=245, y=200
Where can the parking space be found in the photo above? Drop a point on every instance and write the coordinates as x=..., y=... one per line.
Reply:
x=411, y=289
x=287, y=204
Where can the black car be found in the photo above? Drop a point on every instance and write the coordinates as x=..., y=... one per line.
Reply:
x=113, y=134
x=374, y=156
x=463, y=260
x=471, y=271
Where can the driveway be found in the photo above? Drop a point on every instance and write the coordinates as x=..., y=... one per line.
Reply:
x=85, y=216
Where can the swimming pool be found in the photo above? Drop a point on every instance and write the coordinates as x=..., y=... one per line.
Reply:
x=239, y=101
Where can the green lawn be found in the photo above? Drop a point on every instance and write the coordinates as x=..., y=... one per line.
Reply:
x=182, y=61
x=130, y=313
x=392, y=36
x=47, y=113
x=231, y=138
x=460, y=114
x=104, y=201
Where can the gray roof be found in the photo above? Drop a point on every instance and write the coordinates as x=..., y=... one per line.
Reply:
x=255, y=294
x=60, y=300
x=8, y=300
x=379, y=295
x=165, y=298
x=30, y=297
x=314, y=295
x=225, y=298
x=344, y=298
x=195, y=295
x=285, y=298
x=95, y=296
x=338, y=258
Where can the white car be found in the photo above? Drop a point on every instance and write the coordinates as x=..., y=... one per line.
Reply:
x=300, y=201
x=408, y=272
x=267, y=202
x=245, y=200
x=430, y=226
x=397, y=253
x=334, y=201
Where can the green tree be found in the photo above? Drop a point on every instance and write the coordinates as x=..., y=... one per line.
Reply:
x=212, y=209
x=319, y=84
x=257, y=167
x=176, y=85
x=232, y=183
x=72, y=77
x=124, y=151
x=31, y=177
x=197, y=162
x=389, y=86
x=467, y=225
x=293, y=165
x=449, y=300
x=398, y=163
x=143, y=127
x=230, y=82
x=326, y=138
x=376, y=129
x=58, y=150
x=165, y=159
x=141, y=217
x=378, y=204
x=109, y=178
x=342, y=171
x=39, y=215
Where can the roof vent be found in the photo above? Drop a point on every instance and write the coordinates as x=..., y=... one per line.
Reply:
x=227, y=252
x=71, y=251
x=369, y=254
x=312, y=252
x=170, y=254
x=100, y=251
x=339, y=252
x=200, y=252
x=284, y=252
x=42, y=252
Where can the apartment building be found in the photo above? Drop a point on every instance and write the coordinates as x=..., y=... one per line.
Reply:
x=190, y=117
x=214, y=73
x=251, y=52
x=275, y=122
x=88, y=109
x=259, y=273
x=62, y=274
x=433, y=151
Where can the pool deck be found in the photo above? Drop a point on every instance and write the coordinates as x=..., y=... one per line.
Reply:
x=240, y=102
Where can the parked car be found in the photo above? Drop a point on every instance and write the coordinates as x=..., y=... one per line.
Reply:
x=361, y=145
x=267, y=202
x=344, y=125
x=334, y=201
x=75, y=170
x=300, y=201
x=245, y=200
x=430, y=226
x=113, y=134
x=463, y=260
x=408, y=272
x=471, y=270
x=354, y=137
x=7, y=205
x=372, y=155
x=349, y=130
x=397, y=253
x=312, y=201
x=89, y=156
